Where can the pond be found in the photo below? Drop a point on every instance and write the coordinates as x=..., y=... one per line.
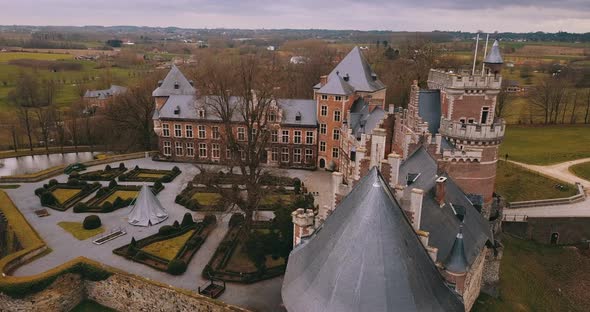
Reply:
x=30, y=164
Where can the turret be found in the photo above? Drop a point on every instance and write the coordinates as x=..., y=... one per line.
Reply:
x=456, y=265
x=493, y=61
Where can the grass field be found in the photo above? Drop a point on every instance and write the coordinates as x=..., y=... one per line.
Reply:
x=62, y=194
x=123, y=194
x=275, y=198
x=168, y=249
x=207, y=199
x=545, y=145
x=91, y=306
x=515, y=183
x=536, y=277
x=10, y=56
x=76, y=229
x=581, y=170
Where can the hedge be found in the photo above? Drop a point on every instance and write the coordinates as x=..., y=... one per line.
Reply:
x=91, y=222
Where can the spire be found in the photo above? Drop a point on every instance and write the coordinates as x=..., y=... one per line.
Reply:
x=456, y=261
x=494, y=57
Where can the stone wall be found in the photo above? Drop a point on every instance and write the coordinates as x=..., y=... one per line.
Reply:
x=66, y=292
x=9, y=243
x=473, y=281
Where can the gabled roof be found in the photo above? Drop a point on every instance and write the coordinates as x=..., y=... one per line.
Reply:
x=429, y=108
x=336, y=85
x=361, y=76
x=306, y=109
x=147, y=209
x=167, y=86
x=362, y=120
x=442, y=223
x=365, y=257
x=494, y=57
x=106, y=93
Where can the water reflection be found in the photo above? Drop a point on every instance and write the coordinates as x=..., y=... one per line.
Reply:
x=30, y=164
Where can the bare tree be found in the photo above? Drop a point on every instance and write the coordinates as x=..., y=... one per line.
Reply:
x=503, y=101
x=25, y=96
x=587, y=114
x=548, y=96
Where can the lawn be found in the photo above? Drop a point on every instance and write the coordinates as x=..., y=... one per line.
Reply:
x=120, y=193
x=76, y=229
x=207, y=199
x=91, y=306
x=167, y=249
x=545, y=145
x=10, y=56
x=516, y=183
x=9, y=186
x=150, y=175
x=62, y=194
x=240, y=262
x=275, y=198
x=535, y=277
x=581, y=170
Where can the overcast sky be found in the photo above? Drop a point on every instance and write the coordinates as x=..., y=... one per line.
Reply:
x=417, y=15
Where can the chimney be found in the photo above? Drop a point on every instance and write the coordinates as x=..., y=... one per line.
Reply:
x=441, y=192
x=323, y=80
x=378, y=139
x=416, y=207
x=302, y=224
x=394, y=162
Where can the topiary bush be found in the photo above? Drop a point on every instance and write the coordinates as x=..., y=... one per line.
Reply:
x=80, y=207
x=187, y=220
x=157, y=185
x=40, y=191
x=193, y=204
x=175, y=169
x=118, y=203
x=167, y=178
x=176, y=267
x=122, y=166
x=52, y=182
x=107, y=207
x=297, y=185
x=176, y=224
x=236, y=219
x=91, y=222
x=209, y=219
x=47, y=199
x=166, y=230
x=107, y=168
x=102, y=191
x=73, y=182
x=113, y=184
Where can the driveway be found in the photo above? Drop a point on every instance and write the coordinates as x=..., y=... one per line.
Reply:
x=560, y=171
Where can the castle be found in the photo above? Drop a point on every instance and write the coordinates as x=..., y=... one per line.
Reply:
x=434, y=162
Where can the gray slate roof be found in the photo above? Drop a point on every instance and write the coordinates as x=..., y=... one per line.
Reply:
x=442, y=223
x=363, y=121
x=174, y=77
x=365, y=257
x=292, y=107
x=429, y=108
x=336, y=85
x=359, y=72
x=456, y=261
x=103, y=94
x=494, y=57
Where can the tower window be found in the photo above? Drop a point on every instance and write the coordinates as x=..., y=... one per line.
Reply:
x=485, y=112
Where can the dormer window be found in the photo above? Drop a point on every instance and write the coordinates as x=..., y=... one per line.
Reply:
x=298, y=116
x=272, y=117
x=324, y=97
x=176, y=85
x=412, y=177
x=177, y=110
x=346, y=78
x=160, y=83
x=201, y=113
x=374, y=76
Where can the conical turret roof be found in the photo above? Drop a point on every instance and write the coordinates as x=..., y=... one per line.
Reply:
x=456, y=261
x=494, y=57
x=365, y=257
x=147, y=209
x=175, y=83
x=361, y=76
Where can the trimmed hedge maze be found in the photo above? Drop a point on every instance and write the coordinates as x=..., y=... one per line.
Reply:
x=201, y=199
x=62, y=196
x=150, y=175
x=107, y=174
x=113, y=197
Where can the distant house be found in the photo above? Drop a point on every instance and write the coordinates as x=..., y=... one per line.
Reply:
x=298, y=60
x=101, y=98
x=512, y=86
x=271, y=48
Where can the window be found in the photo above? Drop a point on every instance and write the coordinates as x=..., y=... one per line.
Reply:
x=322, y=146
x=336, y=115
x=285, y=138
x=178, y=131
x=166, y=130
x=178, y=150
x=176, y=85
x=338, y=98
x=202, y=132
x=189, y=131
x=202, y=150
x=201, y=113
x=253, y=133
x=228, y=153
x=323, y=129
x=274, y=136
x=484, y=115
x=324, y=97
x=285, y=154
x=470, y=120
x=297, y=137
x=241, y=134
x=274, y=154
x=335, y=152
x=324, y=110
x=308, y=155
x=296, y=155
x=215, y=151
x=272, y=117
x=336, y=134
x=309, y=137
x=190, y=149
x=167, y=148
x=215, y=131
x=242, y=153
x=298, y=116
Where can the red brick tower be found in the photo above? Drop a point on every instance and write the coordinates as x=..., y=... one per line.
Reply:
x=468, y=101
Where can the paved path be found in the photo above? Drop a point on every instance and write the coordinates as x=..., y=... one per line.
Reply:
x=261, y=296
x=559, y=171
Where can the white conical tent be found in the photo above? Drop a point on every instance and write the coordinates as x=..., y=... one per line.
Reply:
x=147, y=209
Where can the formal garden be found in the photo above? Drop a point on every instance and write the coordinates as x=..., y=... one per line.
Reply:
x=113, y=197
x=91, y=226
x=107, y=174
x=201, y=199
x=172, y=248
x=62, y=196
x=150, y=175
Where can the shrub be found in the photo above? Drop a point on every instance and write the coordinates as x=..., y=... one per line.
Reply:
x=187, y=220
x=179, y=199
x=176, y=224
x=157, y=185
x=122, y=166
x=176, y=267
x=194, y=242
x=118, y=203
x=107, y=168
x=297, y=185
x=45, y=185
x=113, y=184
x=209, y=219
x=136, y=167
x=73, y=182
x=175, y=169
x=140, y=255
x=102, y=191
x=193, y=204
x=166, y=230
x=40, y=191
x=52, y=182
x=91, y=222
x=47, y=199
x=107, y=207
x=80, y=207
x=167, y=178
x=74, y=175
x=236, y=219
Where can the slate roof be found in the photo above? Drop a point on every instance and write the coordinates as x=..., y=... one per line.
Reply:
x=429, y=108
x=167, y=86
x=362, y=120
x=456, y=261
x=106, y=93
x=336, y=85
x=442, y=223
x=494, y=57
x=365, y=257
x=359, y=72
x=292, y=107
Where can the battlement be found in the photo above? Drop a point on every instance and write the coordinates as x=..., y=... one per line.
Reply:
x=473, y=132
x=441, y=79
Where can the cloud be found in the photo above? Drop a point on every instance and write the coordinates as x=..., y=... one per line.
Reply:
x=423, y=15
